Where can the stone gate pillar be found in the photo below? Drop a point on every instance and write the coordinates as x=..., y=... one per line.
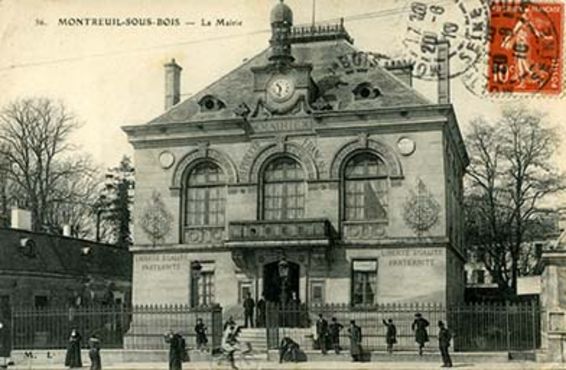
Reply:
x=553, y=299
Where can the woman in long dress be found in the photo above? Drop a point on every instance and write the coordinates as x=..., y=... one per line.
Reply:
x=177, y=350
x=355, y=341
x=73, y=357
x=421, y=335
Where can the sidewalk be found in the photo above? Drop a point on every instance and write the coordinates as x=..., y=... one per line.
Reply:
x=264, y=365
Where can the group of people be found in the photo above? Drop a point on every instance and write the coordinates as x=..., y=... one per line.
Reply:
x=249, y=306
x=328, y=336
x=73, y=355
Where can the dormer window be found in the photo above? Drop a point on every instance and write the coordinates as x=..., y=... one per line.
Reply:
x=365, y=91
x=211, y=103
x=27, y=247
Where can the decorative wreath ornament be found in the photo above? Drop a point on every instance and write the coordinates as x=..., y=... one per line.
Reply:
x=156, y=220
x=421, y=210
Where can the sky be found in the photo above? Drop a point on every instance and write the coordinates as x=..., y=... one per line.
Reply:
x=111, y=76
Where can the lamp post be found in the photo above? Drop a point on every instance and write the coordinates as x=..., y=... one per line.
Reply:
x=283, y=276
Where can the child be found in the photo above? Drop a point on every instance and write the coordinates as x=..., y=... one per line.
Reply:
x=200, y=330
x=391, y=335
x=94, y=353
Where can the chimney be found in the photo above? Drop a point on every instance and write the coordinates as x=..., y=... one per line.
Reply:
x=66, y=230
x=21, y=219
x=443, y=73
x=172, y=84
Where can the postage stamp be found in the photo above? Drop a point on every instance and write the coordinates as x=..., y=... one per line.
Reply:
x=525, y=48
x=461, y=23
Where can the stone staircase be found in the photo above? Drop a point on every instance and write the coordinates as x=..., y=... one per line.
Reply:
x=257, y=337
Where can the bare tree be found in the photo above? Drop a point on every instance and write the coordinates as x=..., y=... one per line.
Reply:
x=510, y=173
x=44, y=169
x=73, y=202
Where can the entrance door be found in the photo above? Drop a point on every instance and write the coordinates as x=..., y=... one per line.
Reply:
x=275, y=288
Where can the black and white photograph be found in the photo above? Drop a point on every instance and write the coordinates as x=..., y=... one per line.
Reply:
x=282, y=184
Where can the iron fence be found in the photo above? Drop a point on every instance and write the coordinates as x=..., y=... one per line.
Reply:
x=475, y=327
x=149, y=323
x=138, y=327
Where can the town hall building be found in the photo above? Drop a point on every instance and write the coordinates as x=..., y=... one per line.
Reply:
x=313, y=171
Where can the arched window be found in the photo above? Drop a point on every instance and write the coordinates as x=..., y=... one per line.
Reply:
x=365, y=188
x=205, y=195
x=283, y=190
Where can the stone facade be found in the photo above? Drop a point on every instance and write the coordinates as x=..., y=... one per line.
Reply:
x=408, y=250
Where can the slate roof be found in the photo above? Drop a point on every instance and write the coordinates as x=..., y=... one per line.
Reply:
x=236, y=87
x=62, y=255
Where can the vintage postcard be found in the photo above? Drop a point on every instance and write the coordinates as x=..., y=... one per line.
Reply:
x=247, y=184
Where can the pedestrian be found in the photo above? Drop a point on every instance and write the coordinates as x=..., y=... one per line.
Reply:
x=419, y=327
x=177, y=350
x=5, y=341
x=355, y=341
x=322, y=333
x=229, y=323
x=295, y=306
x=288, y=350
x=444, y=337
x=391, y=335
x=73, y=356
x=249, y=306
x=334, y=329
x=200, y=331
x=260, y=312
x=229, y=344
x=94, y=353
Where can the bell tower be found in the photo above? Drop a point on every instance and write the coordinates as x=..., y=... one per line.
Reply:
x=281, y=23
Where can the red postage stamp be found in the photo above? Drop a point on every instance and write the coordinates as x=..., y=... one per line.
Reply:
x=525, y=48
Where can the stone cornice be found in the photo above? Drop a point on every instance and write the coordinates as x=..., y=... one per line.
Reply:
x=399, y=119
x=554, y=258
x=226, y=246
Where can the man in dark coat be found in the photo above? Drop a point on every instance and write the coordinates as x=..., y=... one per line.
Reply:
x=94, y=353
x=260, y=314
x=200, y=331
x=444, y=337
x=322, y=333
x=73, y=356
x=249, y=306
x=355, y=341
x=421, y=335
x=391, y=335
x=177, y=350
x=334, y=329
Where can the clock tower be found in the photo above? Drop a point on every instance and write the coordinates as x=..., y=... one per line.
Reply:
x=281, y=86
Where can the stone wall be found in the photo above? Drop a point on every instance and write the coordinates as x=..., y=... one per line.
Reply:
x=424, y=166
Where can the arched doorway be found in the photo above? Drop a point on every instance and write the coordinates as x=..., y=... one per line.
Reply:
x=277, y=287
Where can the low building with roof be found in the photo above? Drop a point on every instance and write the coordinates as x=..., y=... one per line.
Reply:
x=42, y=270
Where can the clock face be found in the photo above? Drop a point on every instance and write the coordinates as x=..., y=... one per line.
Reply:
x=281, y=88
